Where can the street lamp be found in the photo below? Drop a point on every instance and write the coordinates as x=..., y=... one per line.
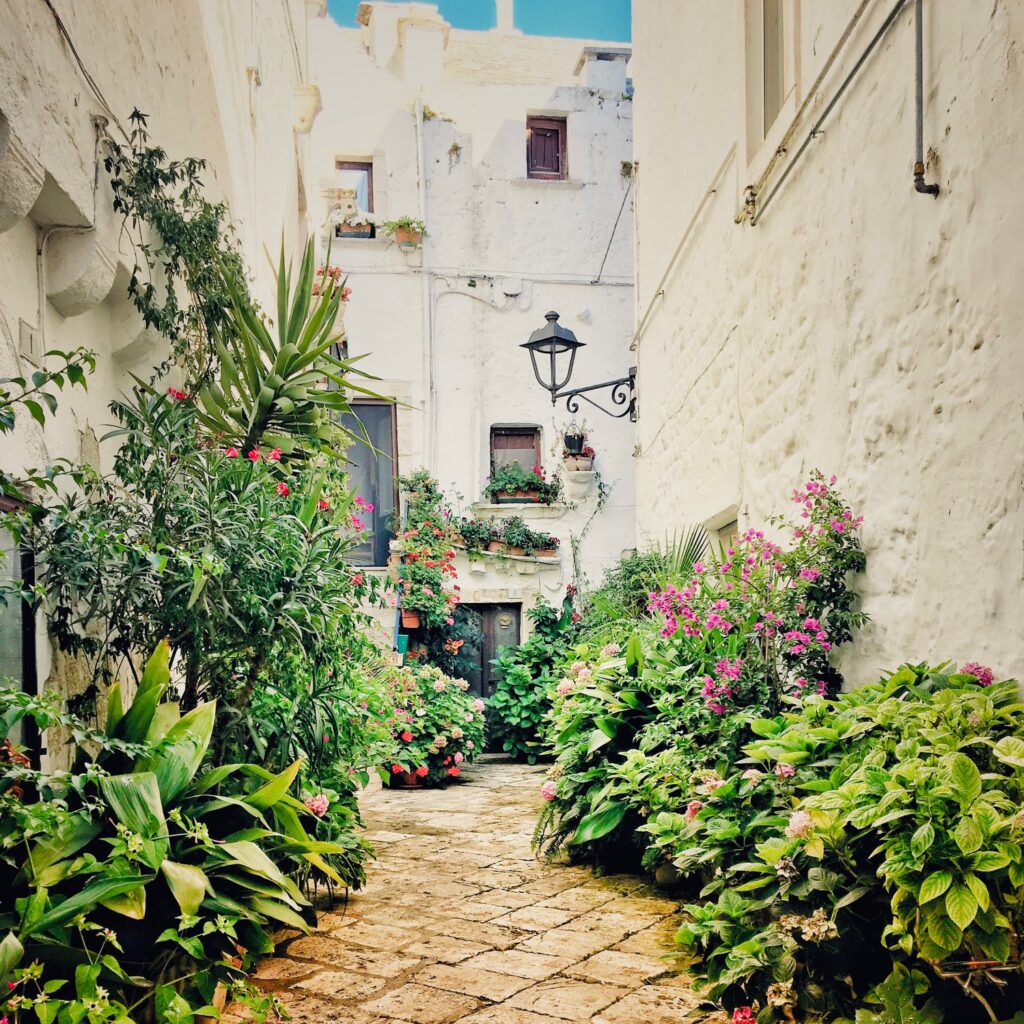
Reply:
x=553, y=350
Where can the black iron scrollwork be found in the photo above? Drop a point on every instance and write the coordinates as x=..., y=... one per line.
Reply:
x=622, y=393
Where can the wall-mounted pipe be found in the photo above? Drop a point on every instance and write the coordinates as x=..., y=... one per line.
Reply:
x=919, y=182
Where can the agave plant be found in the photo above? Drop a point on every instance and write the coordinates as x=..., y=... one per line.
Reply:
x=187, y=870
x=287, y=391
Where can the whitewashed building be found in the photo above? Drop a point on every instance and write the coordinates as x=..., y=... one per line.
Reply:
x=801, y=304
x=516, y=152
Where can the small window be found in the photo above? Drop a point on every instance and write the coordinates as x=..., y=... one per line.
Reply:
x=769, y=66
x=515, y=444
x=545, y=148
x=358, y=176
x=728, y=534
x=372, y=476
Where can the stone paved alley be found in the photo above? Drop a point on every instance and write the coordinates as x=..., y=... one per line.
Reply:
x=459, y=922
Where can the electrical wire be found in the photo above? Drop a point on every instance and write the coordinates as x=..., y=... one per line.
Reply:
x=618, y=216
x=90, y=81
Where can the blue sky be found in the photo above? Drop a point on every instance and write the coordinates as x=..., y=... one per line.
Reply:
x=585, y=19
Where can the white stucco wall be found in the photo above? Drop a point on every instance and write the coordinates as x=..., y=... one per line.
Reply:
x=185, y=64
x=442, y=327
x=859, y=327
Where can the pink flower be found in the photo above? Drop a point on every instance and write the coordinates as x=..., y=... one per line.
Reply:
x=254, y=455
x=478, y=704
x=282, y=489
x=459, y=758
x=693, y=809
x=549, y=790
x=564, y=688
x=357, y=524
x=275, y=455
x=784, y=771
x=982, y=673
x=752, y=775
x=231, y=453
x=407, y=736
x=357, y=580
x=453, y=771
x=800, y=823
x=610, y=650
x=317, y=805
x=469, y=744
x=743, y=1015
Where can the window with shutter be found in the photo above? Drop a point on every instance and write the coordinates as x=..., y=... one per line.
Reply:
x=545, y=147
x=515, y=444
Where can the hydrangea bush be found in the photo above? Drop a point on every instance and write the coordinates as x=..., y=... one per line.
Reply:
x=438, y=726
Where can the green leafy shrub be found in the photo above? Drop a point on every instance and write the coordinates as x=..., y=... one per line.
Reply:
x=527, y=677
x=513, y=479
x=140, y=869
x=514, y=532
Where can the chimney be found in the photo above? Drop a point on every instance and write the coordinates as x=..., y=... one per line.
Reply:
x=506, y=19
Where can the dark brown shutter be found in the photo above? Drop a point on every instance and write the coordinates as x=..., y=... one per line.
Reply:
x=545, y=147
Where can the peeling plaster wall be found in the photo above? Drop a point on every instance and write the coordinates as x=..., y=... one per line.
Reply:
x=860, y=327
x=185, y=65
x=501, y=251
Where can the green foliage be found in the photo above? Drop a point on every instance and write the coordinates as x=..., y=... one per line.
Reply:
x=476, y=534
x=389, y=227
x=527, y=676
x=512, y=479
x=135, y=867
x=514, y=532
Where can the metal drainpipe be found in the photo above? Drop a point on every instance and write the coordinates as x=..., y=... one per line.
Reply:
x=919, y=182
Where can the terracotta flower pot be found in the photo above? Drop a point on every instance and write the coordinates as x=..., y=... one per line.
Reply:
x=410, y=620
x=407, y=780
x=579, y=463
x=496, y=545
x=545, y=552
x=518, y=552
x=508, y=497
x=355, y=231
x=408, y=237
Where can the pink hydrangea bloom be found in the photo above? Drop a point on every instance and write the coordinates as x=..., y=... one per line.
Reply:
x=693, y=809
x=984, y=675
x=785, y=771
x=549, y=789
x=317, y=805
x=800, y=823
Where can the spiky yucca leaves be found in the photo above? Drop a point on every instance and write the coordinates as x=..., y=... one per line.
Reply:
x=287, y=391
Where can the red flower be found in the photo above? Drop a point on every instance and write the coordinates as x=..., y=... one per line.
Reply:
x=422, y=770
x=283, y=489
x=453, y=771
x=254, y=455
x=275, y=455
x=231, y=453
x=743, y=1015
x=407, y=736
x=357, y=580
x=178, y=396
x=322, y=505
x=397, y=769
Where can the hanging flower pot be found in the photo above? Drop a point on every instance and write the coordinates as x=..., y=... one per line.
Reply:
x=574, y=443
x=410, y=619
x=408, y=237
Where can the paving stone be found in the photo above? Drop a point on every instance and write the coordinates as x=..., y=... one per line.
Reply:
x=342, y=985
x=652, y=1004
x=520, y=962
x=577, y=945
x=474, y=910
x=379, y=963
x=489, y=934
x=376, y=936
x=513, y=900
x=422, y=1005
x=567, y=999
x=446, y=948
x=580, y=899
x=536, y=919
x=617, y=968
x=280, y=968
x=321, y=948
x=654, y=941
x=505, y=1014
x=471, y=981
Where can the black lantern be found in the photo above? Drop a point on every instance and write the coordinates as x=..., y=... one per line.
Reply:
x=553, y=350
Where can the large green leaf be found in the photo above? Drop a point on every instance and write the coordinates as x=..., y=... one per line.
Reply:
x=961, y=905
x=135, y=800
x=155, y=679
x=11, y=952
x=252, y=858
x=178, y=757
x=276, y=789
x=934, y=886
x=188, y=884
x=964, y=777
x=279, y=912
x=599, y=823
x=85, y=900
x=128, y=904
x=70, y=836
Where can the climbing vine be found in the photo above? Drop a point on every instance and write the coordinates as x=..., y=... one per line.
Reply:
x=184, y=247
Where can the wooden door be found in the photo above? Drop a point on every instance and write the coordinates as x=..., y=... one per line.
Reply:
x=499, y=627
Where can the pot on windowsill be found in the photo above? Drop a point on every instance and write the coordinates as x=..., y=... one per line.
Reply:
x=516, y=497
x=407, y=238
x=354, y=231
x=546, y=553
x=579, y=463
x=410, y=619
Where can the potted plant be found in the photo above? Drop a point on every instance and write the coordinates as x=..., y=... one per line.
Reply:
x=512, y=483
x=574, y=438
x=408, y=232
x=476, y=534
x=348, y=219
x=517, y=538
x=582, y=461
